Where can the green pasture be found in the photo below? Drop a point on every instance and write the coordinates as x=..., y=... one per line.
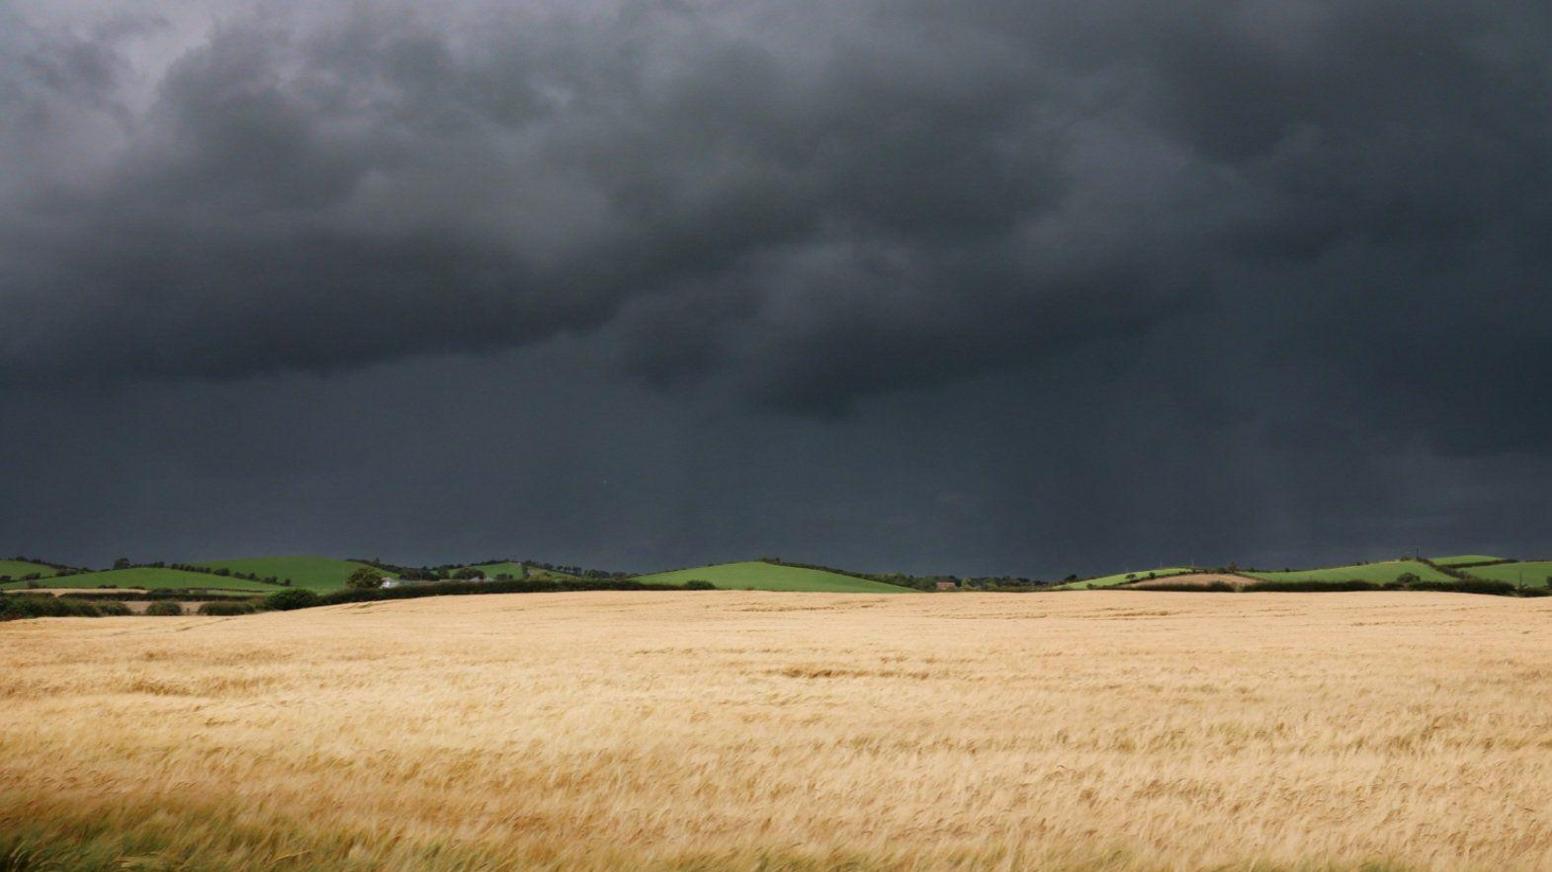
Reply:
x=1533, y=573
x=310, y=572
x=759, y=575
x=492, y=570
x=1125, y=577
x=149, y=578
x=18, y=568
x=1465, y=560
x=1378, y=573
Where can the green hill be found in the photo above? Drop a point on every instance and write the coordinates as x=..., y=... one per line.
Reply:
x=517, y=570
x=1125, y=577
x=1378, y=573
x=759, y=575
x=18, y=568
x=1534, y=573
x=1466, y=560
x=313, y=573
x=151, y=578
x=507, y=567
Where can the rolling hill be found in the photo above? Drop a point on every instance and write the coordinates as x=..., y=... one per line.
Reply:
x=18, y=568
x=310, y=572
x=1533, y=573
x=151, y=578
x=1377, y=573
x=759, y=575
x=1126, y=577
x=539, y=573
x=1466, y=560
x=507, y=567
x=324, y=574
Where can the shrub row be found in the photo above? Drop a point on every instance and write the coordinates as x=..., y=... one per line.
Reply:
x=196, y=595
x=1306, y=586
x=1492, y=588
x=1467, y=585
x=15, y=607
x=219, y=572
x=461, y=588
x=224, y=609
x=298, y=598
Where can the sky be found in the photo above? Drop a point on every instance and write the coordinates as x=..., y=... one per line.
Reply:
x=982, y=287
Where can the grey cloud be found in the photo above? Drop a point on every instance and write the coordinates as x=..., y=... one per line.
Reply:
x=806, y=204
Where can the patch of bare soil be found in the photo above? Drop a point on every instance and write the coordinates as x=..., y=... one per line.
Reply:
x=138, y=607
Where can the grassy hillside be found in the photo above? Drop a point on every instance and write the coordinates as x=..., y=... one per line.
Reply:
x=312, y=573
x=492, y=570
x=19, y=568
x=1465, y=559
x=758, y=575
x=1126, y=577
x=152, y=579
x=1378, y=573
x=1534, y=572
x=539, y=573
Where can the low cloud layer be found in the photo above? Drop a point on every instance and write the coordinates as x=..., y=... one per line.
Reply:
x=817, y=201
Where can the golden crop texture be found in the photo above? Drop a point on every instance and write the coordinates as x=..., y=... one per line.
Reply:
x=1116, y=730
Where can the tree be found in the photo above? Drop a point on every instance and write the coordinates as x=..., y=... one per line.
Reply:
x=121, y=563
x=364, y=578
x=286, y=600
x=469, y=573
x=1407, y=578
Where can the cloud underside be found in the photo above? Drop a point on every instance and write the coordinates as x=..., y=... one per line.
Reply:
x=803, y=204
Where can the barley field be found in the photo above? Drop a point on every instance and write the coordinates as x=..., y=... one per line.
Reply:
x=1113, y=730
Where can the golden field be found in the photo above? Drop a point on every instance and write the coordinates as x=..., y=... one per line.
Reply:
x=1118, y=730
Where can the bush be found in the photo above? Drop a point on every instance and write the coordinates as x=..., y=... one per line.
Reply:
x=164, y=608
x=1407, y=578
x=699, y=584
x=112, y=609
x=365, y=578
x=291, y=598
x=223, y=609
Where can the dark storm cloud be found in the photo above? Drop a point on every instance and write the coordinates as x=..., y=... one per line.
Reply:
x=806, y=203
